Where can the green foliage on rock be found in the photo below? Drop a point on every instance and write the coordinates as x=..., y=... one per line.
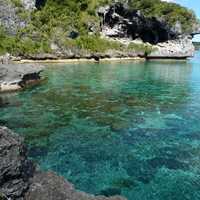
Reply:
x=17, y=3
x=96, y=44
x=54, y=21
x=21, y=46
x=170, y=12
x=6, y=42
x=143, y=48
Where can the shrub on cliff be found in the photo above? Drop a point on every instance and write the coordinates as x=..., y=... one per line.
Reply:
x=55, y=20
x=6, y=42
x=96, y=44
x=171, y=12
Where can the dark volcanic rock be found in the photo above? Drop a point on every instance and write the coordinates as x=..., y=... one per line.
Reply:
x=15, y=169
x=14, y=77
x=121, y=22
x=20, y=181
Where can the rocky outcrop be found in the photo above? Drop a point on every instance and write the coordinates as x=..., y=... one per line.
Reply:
x=5, y=59
x=15, y=77
x=195, y=30
x=15, y=169
x=118, y=23
x=121, y=22
x=180, y=48
x=20, y=180
x=9, y=18
x=33, y=4
x=29, y=4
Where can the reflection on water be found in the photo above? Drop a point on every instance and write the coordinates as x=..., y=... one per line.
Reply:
x=120, y=128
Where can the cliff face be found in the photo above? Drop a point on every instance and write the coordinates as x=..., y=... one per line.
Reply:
x=9, y=18
x=120, y=22
x=77, y=35
x=180, y=48
x=11, y=14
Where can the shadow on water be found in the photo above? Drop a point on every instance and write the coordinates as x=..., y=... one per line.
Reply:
x=122, y=128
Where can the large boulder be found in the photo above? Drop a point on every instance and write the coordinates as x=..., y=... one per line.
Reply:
x=17, y=76
x=20, y=180
x=180, y=48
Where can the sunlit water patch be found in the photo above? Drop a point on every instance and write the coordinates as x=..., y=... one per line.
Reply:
x=123, y=128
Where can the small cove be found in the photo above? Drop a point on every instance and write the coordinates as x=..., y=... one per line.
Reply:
x=115, y=128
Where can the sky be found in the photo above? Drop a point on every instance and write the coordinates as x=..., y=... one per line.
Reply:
x=191, y=4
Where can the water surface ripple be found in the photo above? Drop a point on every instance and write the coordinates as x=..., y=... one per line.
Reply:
x=123, y=128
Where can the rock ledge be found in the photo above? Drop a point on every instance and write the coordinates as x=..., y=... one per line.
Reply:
x=15, y=77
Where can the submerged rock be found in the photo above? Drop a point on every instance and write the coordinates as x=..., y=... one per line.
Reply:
x=48, y=186
x=15, y=77
x=20, y=180
x=110, y=192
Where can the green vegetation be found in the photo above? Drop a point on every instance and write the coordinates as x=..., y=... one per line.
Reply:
x=97, y=44
x=54, y=23
x=146, y=48
x=6, y=42
x=170, y=12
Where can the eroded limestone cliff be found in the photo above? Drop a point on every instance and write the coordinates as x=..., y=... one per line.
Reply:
x=120, y=22
x=39, y=37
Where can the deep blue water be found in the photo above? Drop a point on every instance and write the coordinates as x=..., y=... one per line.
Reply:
x=129, y=128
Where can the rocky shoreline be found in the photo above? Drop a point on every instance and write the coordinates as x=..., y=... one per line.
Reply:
x=117, y=23
x=17, y=73
x=15, y=77
x=181, y=48
x=21, y=179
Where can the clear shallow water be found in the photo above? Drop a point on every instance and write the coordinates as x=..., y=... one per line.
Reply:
x=122, y=128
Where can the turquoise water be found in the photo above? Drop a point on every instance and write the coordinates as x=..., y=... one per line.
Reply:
x=128, y=128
